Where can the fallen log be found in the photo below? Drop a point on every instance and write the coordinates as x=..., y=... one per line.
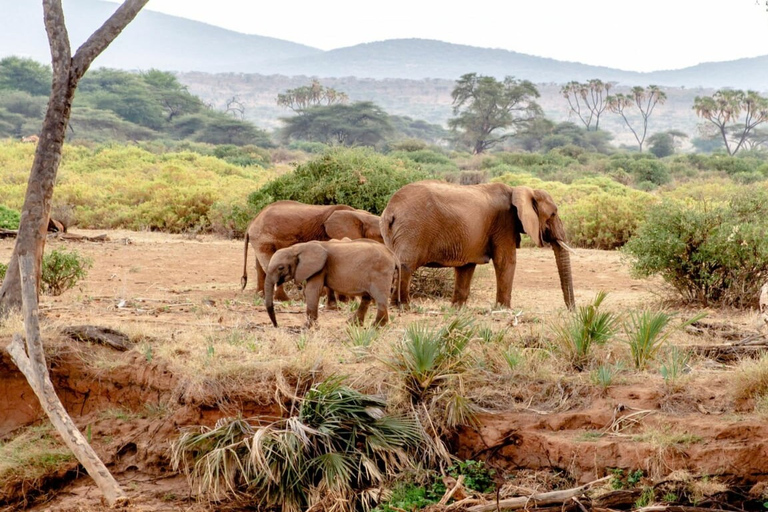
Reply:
x=102, y=335
x=8, y=233
x=728, y=353
x=72, y=237
x=536, y=500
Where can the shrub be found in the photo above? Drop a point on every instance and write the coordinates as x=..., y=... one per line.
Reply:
x=9, y=219
x=710, y=253
x=3, y=270
x=587, y=326
x=62, y=270
x=338, y=450
x=358, y=177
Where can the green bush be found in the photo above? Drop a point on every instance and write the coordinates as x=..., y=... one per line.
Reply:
x=710, y=253
x=62, y=270
x=9, y=219
x=3, y=270
x=358, y=177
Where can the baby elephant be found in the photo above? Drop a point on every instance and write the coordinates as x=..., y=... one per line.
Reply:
x=361, y=268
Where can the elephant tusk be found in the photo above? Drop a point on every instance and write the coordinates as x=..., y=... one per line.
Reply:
x=566, y=247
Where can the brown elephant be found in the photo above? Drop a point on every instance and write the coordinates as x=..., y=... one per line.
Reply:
x=437, y=224
x=358, y=268
x=284, y=223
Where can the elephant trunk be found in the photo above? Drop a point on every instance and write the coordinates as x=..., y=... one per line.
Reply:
x=269, y=293
x=563, y=260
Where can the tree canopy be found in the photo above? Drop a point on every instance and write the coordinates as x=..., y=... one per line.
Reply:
x=358, y=124
x=645, y=100
x=735, y=115
x=488, y=112
x=587, y=100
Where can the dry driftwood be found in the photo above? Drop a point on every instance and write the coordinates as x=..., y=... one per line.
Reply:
x=96, y=334
x=8, y=233
x=82, y=238
x=30, y=360
x=536, y=500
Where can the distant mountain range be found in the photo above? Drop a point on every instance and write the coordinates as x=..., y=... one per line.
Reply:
x=169, y=43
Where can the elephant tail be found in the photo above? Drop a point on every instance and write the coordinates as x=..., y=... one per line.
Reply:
x=386, y=224
x=244, y=279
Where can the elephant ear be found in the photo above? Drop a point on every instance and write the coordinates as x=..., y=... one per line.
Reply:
x=343, y=223
x=523, y=200
x=310, y=260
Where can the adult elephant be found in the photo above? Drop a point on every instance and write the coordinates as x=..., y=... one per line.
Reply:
x=438, y=224
x=285, y=223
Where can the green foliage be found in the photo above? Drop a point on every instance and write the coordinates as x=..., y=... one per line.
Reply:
x=603, y=375
x=642, y=168
x=412, y=496
x=477, y=476
x=431, y=365
x=647, y=334
x=9, y=219
x=621, y=480
x=3, y=270
x=359, y=124
x=358, y=177
x=484, y=107
x=340, y=446
x=62, y=270
x=674, y=365
x=23, y=74
x=711, y=253
x=579, y=331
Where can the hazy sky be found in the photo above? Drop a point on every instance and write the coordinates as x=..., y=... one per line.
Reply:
x=645, y=35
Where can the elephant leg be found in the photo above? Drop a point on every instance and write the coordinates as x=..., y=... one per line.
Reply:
x=463, y=278
x=382, y=313
x=401, y=293
x=359, y=317
x=312, y=295
x=330, y=300
x=505, y=275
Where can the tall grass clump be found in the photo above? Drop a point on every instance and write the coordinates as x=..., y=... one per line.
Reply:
x=711, y=253
x=358, y=177
x=577, y=333
x=647, y=334
x=431, y=364
x=340, y=448
x=751, y=380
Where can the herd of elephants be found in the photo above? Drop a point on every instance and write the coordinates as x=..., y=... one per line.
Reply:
x=428, y=223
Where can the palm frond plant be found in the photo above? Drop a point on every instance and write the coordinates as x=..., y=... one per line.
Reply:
x=341, y=444
x=431, y=366
x=577, y=333
x=647, y=334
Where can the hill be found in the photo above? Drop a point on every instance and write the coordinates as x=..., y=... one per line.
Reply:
x=170, y=43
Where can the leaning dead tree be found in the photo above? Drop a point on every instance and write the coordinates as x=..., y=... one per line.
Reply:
x=21, y=285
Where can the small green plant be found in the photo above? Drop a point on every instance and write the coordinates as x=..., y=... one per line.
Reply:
x=62, y=270
x=3, y=270
x=360, y=337
x=488, y=335
x=646, y=497
x=674, y=366
x=647, y=333
x=513, y=357
x=476, y=475
x=621, y=480
x=301, y=341
x=147, y=351
x=579, y=331
x=604, y=374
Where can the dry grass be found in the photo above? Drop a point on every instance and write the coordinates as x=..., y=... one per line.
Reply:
x=750, y=381
x=31, y=455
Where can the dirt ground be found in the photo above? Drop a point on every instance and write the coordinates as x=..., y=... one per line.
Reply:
x=160, y=289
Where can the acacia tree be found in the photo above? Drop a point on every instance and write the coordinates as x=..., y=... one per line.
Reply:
x=314, y=94
x=645, y=100
x=21, y=283
x=484, y=107
x=588, y=101
x=724, y=110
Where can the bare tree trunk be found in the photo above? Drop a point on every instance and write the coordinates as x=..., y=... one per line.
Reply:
x=33, y=365
x=536, y=500
x=67, y=72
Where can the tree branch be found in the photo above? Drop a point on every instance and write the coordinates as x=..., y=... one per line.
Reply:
x=536, y=500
